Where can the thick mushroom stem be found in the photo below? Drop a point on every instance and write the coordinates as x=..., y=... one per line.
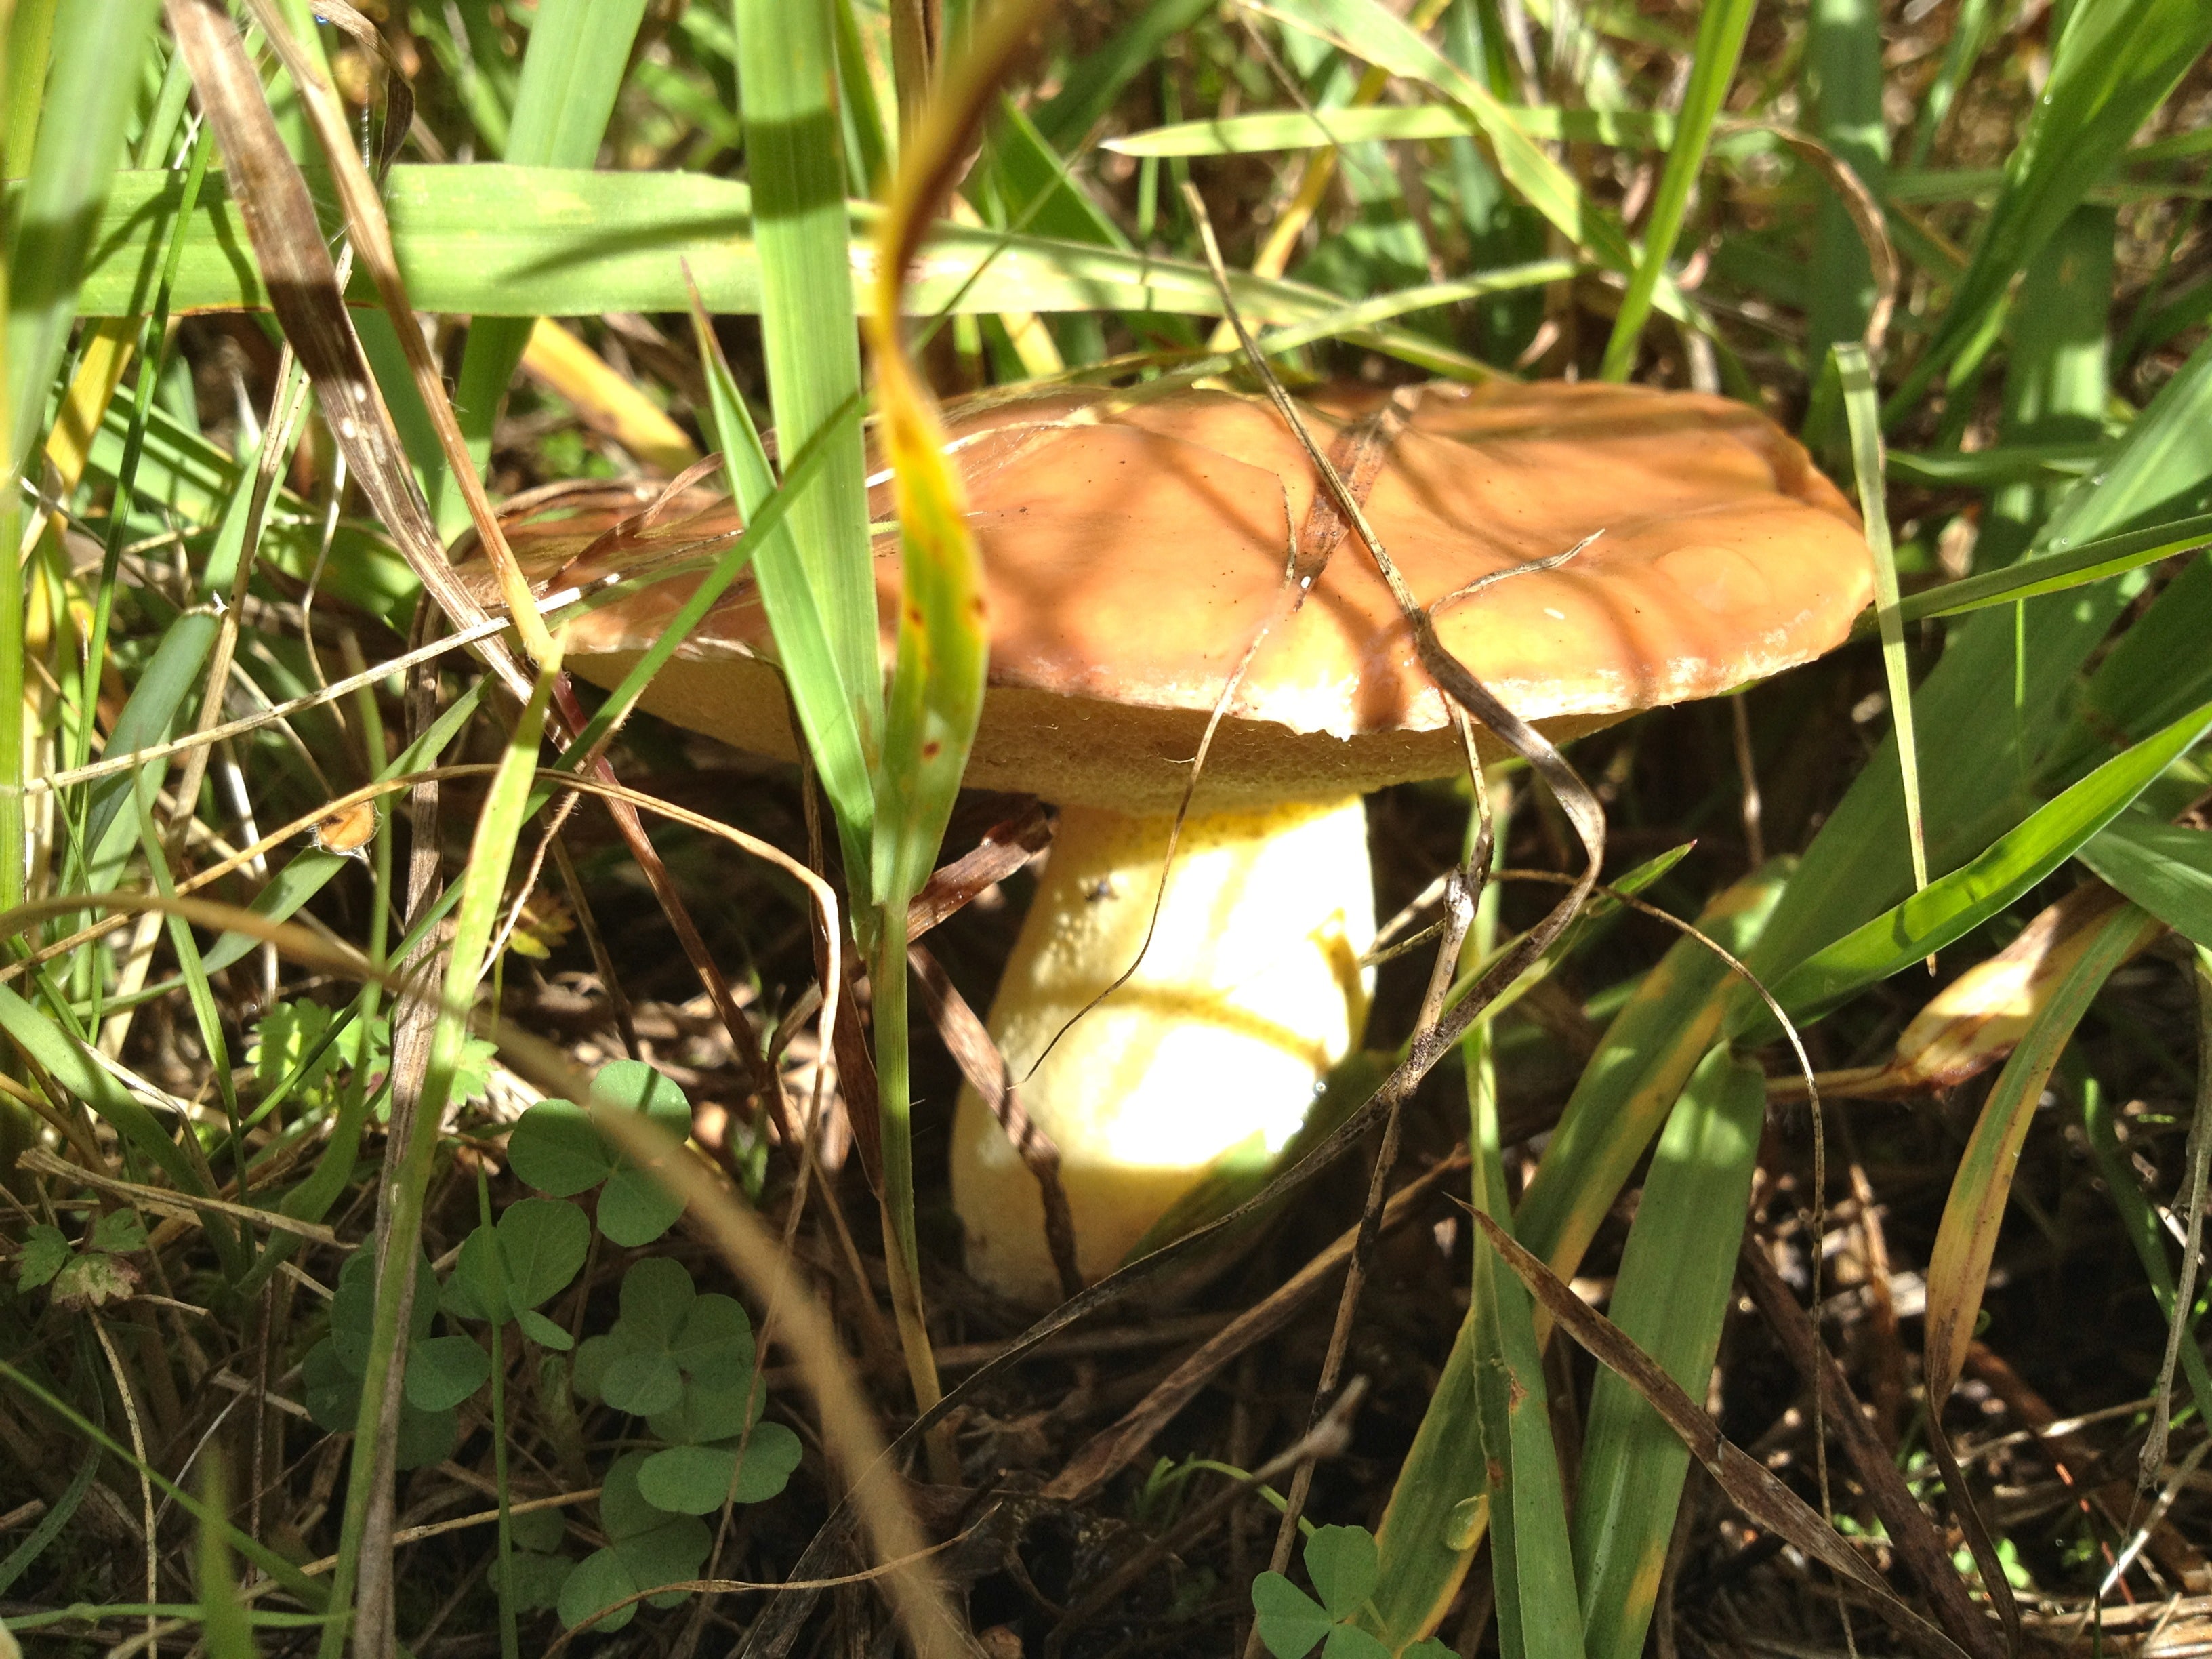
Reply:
x=1250, y=990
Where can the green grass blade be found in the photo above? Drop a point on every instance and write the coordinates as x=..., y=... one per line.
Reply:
x=1670, y=1297
x=2056, y=376
x=225, y=1631
x=2092, y=562
x=1088, y=90
x=2001, y=692
x=2166, y=868
x=827, y=713
x=1532, y=1557
x=1863, y=412
x=1970, y=895
x=90, y=92
x=2114, y=64
x=1722, y=27
x=494, y=240
x=787, y=72
x=1649, y=1052
x=2154, y=672
x=1288, y=130
x=571, y=73
x=482, y=887
x=2145, y=1232
x=1631, y=1084
x=1365, y=29
x=1842, y=86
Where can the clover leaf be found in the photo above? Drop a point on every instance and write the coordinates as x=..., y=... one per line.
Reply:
x=556, y=1148
x=646, y=1547
x=537, y=1570
x=1344, y=1565
x=668, y=1339
x=693, y=1480
x=505, y=1272
x=334, y=1368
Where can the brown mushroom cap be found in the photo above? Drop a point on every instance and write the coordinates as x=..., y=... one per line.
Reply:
x=1134, y=550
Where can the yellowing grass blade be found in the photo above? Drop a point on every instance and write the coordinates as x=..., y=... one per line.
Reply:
x=944, y=642
x=1959, y=1267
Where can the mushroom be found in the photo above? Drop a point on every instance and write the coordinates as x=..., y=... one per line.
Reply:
x=1136, y=547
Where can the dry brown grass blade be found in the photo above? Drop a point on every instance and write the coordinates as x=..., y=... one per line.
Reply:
x=272, y=200
x=1910, y=1532
x=1113, y=1450
x=1005, y=847
x=1750, y=1485
x=988, y=1074
x=372, y=242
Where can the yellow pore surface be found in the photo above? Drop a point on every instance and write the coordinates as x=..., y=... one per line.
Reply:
x=1249, y=992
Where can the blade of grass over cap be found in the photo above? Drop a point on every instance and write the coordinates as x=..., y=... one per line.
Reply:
x=1863, y=410
x=1721, y=27
x=937, y=685
x=786, y=75
x=828, y=715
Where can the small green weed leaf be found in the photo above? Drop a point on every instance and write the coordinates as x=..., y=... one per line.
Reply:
x=554, y=1148
x=772, y=1454
x=46, y=1252
x=693, y=1480
x=424, y=1436
x=641, y=1381
x=333, y=1396
x=541, y=1530
x=543, y=1332
x=472, y=1069
x=444, y=1370
x=711, y=1409
x=287, y=1040
x=597, y=1581
x=93, y=1281
x=1342, y=1563
x=119, y=1231
x=1292, y=1623
x=635, y=1209
x=535, y=1580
